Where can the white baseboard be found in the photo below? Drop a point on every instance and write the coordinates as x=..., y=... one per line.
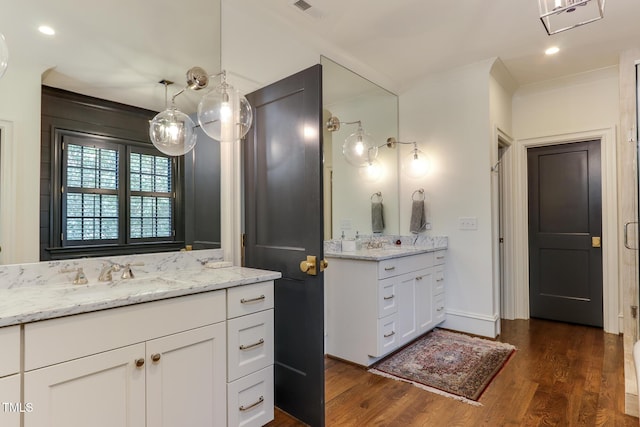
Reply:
x=473, y=323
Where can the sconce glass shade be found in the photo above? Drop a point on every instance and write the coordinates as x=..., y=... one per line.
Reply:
x=416, y=164
x=371, y=172
x=4, y=55
x=224, y=114
x=172, y=132
x=358, y=149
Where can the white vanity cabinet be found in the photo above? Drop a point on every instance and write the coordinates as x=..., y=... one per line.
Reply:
x=161, y=363
x=374, y=307
x=10, y=402
x=250, y=354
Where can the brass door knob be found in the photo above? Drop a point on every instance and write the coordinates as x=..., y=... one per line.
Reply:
x=139, y=362
x=323, y=265
x=309, y=265
x=155, y=357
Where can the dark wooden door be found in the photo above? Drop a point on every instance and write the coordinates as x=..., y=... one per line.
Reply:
x=565, y=224
x=284, y=224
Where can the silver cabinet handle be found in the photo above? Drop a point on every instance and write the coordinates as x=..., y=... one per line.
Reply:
x=247, y=301
x=419, y=278
x=440, y=279
x=626, y=235
x=392, y=296
x=389, y=268
x=254, y=404
x=440, y=309
x=247, y=347
x=390, y=334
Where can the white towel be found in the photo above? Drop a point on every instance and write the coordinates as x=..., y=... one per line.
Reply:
x=418, y=221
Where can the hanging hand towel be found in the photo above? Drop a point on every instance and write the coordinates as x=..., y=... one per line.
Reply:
x=377, y=219
x=418, y=221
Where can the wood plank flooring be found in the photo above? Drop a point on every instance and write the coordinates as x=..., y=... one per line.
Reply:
x=561, y=375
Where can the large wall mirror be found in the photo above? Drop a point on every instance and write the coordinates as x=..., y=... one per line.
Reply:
x=350, y=191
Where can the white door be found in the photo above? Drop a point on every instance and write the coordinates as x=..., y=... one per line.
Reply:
x=102, y=390
x=406, y=295
x=10, y=401
x=186, y=379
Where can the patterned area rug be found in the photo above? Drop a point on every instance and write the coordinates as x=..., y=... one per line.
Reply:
x=448, y=363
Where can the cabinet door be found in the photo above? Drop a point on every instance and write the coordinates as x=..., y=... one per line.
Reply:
x=424, y=300
x=186, y=378
x=102, y=390
x=406, y=296
x=10, y=406
x=250, y=344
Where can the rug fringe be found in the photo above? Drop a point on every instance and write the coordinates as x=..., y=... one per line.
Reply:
x=427, y=388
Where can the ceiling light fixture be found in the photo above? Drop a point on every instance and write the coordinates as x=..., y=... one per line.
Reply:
x=224, y=114
x=46, y=30
x=562, y=15
x=4, y=55
x=552, y=50
x=358, y=148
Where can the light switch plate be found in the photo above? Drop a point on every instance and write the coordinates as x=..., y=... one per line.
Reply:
x=468, y=223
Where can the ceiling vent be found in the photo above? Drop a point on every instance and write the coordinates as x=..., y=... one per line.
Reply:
x=302, y=5
x=307, y=8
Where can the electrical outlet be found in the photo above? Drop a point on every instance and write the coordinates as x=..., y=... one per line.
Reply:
x=468, y=223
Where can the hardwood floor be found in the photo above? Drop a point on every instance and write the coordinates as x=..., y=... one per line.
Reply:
x=561, y=375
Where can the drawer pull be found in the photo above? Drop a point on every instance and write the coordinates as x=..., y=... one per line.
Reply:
x=139, y=362
x=440, y=257
x=247, y=347
x=419, y=278
x=390, y=334
x=247, y=301
x=253, y=405
x=389, y=268
x=440, y=309
x=440, y=280
x=155, y=357
x=392, y=296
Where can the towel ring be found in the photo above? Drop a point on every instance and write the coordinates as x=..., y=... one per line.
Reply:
x=420, y=192
x=377, y=194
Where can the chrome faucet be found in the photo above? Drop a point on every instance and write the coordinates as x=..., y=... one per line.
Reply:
x=105, y=274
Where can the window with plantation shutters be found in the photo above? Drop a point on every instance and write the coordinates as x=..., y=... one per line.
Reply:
x=114, y=193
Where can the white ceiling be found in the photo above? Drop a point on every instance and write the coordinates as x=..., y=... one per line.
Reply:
x=120, y=49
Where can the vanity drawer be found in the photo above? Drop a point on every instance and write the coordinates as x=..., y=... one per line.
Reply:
x=387, y=300
x=438, y=280
x=250, y=399
x=250, y=344
x=439, y=257
x=396, y=266
x=439, y=308
x=249, y=299
x=10, y=353
x=387, y=335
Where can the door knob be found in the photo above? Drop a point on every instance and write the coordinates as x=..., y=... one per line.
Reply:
x=309, y=266
x=323, y=265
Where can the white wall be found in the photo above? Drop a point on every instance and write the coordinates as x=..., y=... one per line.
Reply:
x=20, y=193
x=449, y=115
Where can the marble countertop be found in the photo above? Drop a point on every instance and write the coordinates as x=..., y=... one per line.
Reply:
x=32, y=303
x=387, y=252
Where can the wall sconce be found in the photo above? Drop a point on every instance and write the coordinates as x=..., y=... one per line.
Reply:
x=416, y=164
x=4, y=55
x=358, y=148
x=224, y=115
x=562, y=15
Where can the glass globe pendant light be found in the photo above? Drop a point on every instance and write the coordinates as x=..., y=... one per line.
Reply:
x=224, y=114
x=358, y=148
x=4, y=55
x=416, y=164
x=172, y=131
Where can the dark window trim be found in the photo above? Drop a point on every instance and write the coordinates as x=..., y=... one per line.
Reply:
x=125, y=245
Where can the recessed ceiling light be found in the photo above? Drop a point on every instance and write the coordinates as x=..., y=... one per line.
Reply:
x=552, y=50
x=47, y=30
